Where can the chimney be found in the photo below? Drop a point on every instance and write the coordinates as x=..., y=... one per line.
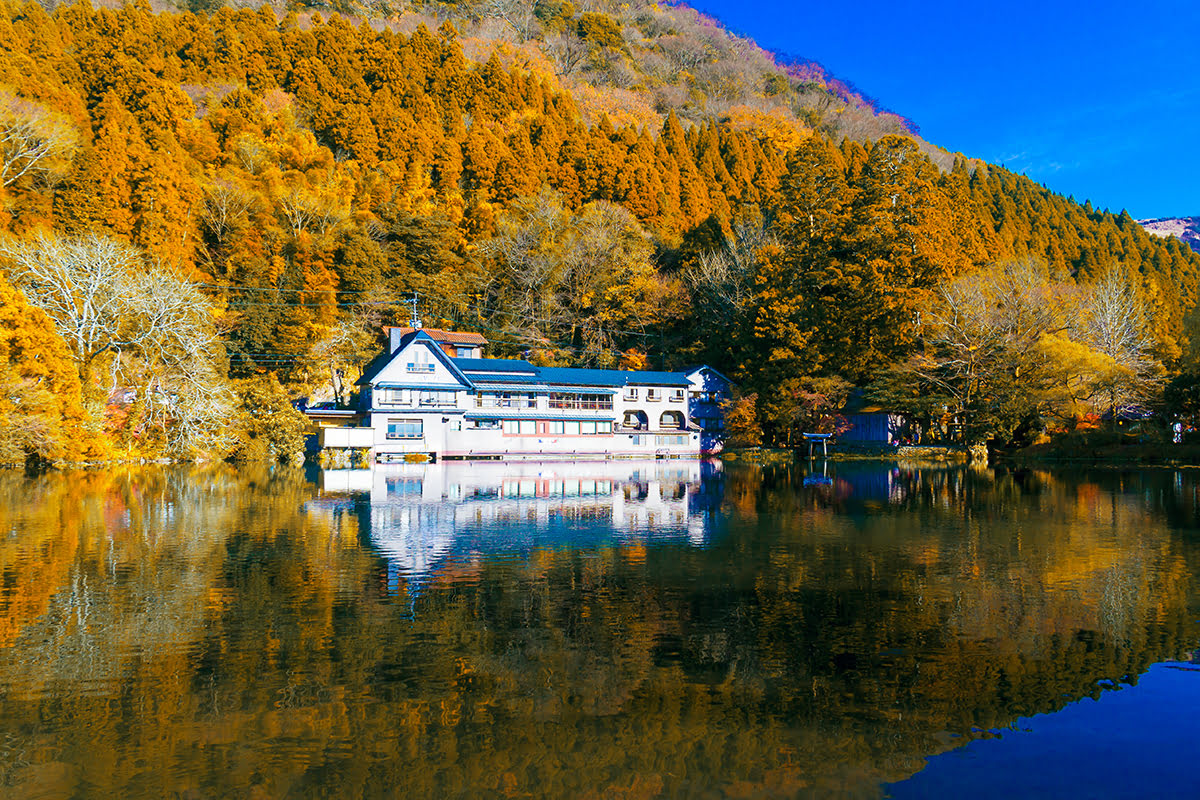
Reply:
x=394, y=337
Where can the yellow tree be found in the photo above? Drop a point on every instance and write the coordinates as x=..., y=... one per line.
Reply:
x=41, y=411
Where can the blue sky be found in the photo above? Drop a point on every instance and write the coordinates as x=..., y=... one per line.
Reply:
x=1099, y=100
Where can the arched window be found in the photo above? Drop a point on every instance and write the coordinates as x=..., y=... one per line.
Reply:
x=671, y=421
x=636, y=420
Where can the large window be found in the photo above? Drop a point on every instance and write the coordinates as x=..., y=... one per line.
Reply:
x=671, y=420
x=395, y=397
x=529, y=427
x=581, y=402
x=484, y=425
x=438, y=398
x=424, y=397
x=400, y=487
x=404, y=429
x=636, y=420
x=505, y=400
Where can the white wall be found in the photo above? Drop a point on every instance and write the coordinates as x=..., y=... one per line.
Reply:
x=446, y=431
x=397, y=369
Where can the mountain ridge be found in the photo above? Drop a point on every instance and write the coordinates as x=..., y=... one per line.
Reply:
x=1186, y=229
x=310, y=175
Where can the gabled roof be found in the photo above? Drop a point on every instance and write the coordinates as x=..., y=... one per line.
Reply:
x=690, y=371
x=382, y=360
x=495, y=373
x=445, y=337
x=373, y=368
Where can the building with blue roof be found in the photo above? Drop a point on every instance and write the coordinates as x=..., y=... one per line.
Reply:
x=422, y=398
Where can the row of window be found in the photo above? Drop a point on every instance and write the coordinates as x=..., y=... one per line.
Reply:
x=653, y=395
x=558, y=400
x=555, y=488
x=659, y=441
x=505, y=400
x=555, y=427
x=405, y=429
x=581, y=402
x=418, y=397
x=398, y=428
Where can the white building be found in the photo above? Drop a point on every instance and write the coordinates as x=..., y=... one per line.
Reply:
x=420, y=399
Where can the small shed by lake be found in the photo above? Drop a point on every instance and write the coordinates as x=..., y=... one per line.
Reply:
x=870, y=423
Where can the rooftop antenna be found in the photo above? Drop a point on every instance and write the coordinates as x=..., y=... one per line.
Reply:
x=415, y=322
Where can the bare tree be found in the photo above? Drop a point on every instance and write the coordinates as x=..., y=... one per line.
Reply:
x=517, y=14
x=252, y=153
x=224, y=206
x=33, y=141
x=154, y=329
x=348, y=344
x=683, y=54
x=83, y=285
x=726, y=275
x=317, y=210
x=1115, y=322
x=528, y=253
x=567, y=52
x=991, y=354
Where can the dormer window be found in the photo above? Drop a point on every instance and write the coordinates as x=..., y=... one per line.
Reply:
x=420, y=361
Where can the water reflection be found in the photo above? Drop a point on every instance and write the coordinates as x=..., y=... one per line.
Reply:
x=425, y=516
x=566, y=630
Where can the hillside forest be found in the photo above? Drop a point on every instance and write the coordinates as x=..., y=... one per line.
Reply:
x=206, y=214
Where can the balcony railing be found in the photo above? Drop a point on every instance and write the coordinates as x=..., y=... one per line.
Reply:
x=414, y=367
x=505, y=402
x=582, y=405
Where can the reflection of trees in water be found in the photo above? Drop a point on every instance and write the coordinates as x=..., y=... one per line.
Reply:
x=135, y=582
x=821, y=646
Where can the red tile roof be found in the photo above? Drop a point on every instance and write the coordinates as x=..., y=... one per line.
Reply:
x=447, y=337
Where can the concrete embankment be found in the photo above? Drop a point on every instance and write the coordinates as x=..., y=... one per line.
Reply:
x=865, y=452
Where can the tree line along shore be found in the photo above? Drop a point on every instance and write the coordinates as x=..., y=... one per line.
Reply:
x=204, y=217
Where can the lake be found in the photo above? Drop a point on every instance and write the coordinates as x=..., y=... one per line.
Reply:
x=599, y=630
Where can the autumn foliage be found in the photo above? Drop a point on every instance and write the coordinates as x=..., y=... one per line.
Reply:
x=307, y=174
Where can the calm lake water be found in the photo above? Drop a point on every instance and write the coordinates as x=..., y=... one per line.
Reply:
x=621, y=630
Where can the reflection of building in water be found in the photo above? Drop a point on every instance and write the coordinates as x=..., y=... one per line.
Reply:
x=425, y=515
